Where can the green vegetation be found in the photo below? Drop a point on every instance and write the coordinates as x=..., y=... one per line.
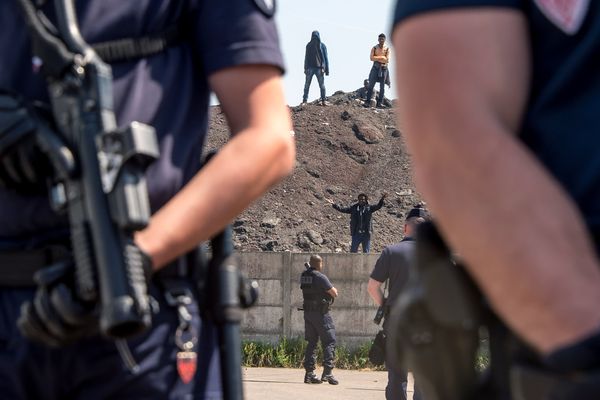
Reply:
x=289, y=353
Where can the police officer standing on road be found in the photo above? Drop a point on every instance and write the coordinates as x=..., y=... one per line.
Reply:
x=393, y=264
x=318, y=294
x=164, y=79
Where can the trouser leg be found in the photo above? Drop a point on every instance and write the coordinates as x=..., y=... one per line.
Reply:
x=397, y=381
x=321, y=80
x=309, y=75
x=355, y=243
x=372, y=81
x=328, y=342
x=381, y=91
x=366, y=242
x=312, y=337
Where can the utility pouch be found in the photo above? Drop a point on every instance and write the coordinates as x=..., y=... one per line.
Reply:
x=15, y=121
x=324, y=306
x=24, y=167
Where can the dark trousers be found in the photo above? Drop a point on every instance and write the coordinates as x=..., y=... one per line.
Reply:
x=363, y=239
x=318, y=72
x=397, y=378
x=93, y=369
x=319, y=326
x=376, y=75
x=397, y=384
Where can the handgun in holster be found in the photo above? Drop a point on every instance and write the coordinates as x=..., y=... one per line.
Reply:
x=436, y=327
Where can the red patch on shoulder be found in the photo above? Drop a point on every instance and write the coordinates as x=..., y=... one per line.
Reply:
x=568, y=15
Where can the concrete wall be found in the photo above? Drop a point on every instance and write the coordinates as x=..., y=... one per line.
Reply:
x=278, y=276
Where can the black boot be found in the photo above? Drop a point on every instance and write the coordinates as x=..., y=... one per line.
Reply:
x=328, y=377
x=310, y=377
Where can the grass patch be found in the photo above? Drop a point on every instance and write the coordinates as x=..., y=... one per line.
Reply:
x=289, y=353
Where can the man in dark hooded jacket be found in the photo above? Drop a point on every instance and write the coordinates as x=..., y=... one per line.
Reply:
x=315, y=63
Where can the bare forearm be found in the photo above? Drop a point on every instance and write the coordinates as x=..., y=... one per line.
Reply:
x=260, y=153
x=218, y=193
x=545, y=281
x=521, y=236
x=374, y=289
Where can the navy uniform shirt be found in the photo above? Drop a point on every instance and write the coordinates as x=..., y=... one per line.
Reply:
x=320, y=282
x=168, y=90
x=562, y=120
x=393, y=264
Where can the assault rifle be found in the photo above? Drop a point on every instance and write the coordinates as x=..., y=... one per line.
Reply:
x=99, y=171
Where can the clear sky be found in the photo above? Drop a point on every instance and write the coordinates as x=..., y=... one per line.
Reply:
x=349, y=29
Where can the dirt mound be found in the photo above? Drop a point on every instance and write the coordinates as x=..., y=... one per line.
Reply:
x=343, y=149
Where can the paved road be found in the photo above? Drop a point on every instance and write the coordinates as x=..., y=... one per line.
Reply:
x=287, y=384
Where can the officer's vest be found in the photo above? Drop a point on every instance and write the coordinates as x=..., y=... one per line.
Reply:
x=310, y=292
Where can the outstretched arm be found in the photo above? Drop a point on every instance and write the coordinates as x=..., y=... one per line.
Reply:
x=461, y=104
x=260, y=153
x=346, y=210
x=379, y=204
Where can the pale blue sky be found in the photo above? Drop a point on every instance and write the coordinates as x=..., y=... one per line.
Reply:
x=349, y=28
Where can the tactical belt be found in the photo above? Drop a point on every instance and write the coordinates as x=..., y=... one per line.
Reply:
x=18, y=267
x=315, y=305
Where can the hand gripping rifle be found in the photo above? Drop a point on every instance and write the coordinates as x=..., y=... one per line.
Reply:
x=435, y=328
x=99, y=172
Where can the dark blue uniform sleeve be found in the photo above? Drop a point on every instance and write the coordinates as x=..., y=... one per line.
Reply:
x=230, y=33
x=407, y=8
x=322, y=282
x=381, y=272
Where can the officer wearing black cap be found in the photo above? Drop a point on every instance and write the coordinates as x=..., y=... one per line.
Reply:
x=318, y=294
x=393, y=264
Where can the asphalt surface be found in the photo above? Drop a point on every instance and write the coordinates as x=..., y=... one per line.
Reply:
x=288, y=384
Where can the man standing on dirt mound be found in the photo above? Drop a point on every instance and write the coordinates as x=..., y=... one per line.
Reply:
x=361, y=225
x=380, y=55
x=316, y=63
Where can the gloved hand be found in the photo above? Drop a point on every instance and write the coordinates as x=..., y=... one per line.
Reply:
x=23, y=165
x=56, y=316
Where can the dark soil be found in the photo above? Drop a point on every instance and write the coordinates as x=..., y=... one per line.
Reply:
x=343, y=149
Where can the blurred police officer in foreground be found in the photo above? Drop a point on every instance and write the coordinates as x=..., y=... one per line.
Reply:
x=498, y=106
x=230, y=47
x=318, y=294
